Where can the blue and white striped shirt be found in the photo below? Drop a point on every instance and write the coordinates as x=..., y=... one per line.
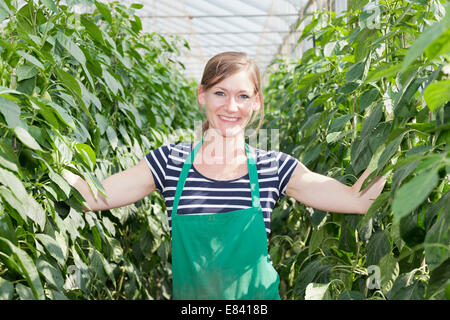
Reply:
x=202, y=195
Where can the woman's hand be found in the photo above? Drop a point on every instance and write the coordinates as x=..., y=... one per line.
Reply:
x=327, y=194
x=371, y=192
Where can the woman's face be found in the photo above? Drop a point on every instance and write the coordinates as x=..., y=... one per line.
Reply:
x=230, y=103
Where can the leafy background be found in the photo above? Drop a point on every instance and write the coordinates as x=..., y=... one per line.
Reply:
x=92, y=93
x=372, y=92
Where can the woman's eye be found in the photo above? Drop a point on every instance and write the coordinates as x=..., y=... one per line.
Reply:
x=219, y=93
x=244, y=96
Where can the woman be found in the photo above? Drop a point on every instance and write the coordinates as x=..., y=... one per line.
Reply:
x=220, y=192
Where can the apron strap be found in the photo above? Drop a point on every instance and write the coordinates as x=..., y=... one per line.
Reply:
x=253, y=175
x=252, y=171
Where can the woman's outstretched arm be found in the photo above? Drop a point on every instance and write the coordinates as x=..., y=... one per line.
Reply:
x=123, y=188
x=328, y=194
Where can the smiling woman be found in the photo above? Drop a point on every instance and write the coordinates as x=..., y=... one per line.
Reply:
x=242, y=74
x=220, y=192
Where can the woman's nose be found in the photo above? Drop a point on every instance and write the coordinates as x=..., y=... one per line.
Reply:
x=232, y=104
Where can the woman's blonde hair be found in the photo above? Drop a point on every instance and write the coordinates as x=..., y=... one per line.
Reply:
x=226, y=64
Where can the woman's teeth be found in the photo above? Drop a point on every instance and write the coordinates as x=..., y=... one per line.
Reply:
x=228, y=118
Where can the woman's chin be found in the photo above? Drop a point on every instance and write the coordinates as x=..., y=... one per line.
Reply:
x=228, y=131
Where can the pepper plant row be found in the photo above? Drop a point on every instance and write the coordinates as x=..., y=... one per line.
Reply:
x=372, y=92
x=91, y=93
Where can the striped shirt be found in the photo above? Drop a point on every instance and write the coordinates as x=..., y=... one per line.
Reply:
x=202, y=195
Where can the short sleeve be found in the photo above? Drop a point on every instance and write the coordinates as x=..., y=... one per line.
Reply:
x=157, y=161
x=286, y=166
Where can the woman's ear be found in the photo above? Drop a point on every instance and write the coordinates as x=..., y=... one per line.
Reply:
x=201, y=95
x=257, y=102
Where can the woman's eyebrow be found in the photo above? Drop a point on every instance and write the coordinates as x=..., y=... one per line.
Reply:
x=225, y=89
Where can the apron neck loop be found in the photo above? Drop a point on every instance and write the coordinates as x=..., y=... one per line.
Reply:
x=252, y=171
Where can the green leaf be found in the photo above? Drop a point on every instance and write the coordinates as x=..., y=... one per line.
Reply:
x=6, y=289
x=439, y=278
x=360, y=154
x=414, y=192
x=104, y=10
x=379, y=202
x=339, y=123
x=8, y=158
x=335, y=136
x=11, y=112
x=87, y=154
x=438, y=233
x=4, y=12
x=137, y=5
x=97, y=184
x=71, y=47
x=441, y=46
x=21, y=199
x=437, y=94
x=28, y=269
x=26, y=72
x=347, y=240
x=52, y=247
x=26, y=138
x=355, y=72
x=112, y=83
x=68, y=81
x=377, y=248
x=102, y=122
x=50, y=273
x=386, y=71
x=24, y=292
x=372, y=120
x=351, y=295
x=62, y=114
x=92, y=29
x=136, y=24
x=389, y=151
x=317, y=237
x=47, y=113
x=311, y=154
x=61, y=182
x=6, y=229
x=389, y=270
x=31, y=59
x=12, y=200
x=428, y=36
x=112, y=137
x=306, y=276
x=406, y=288
x=133, y=110
x=378, y=136
x=51, y=5
x=357, y=4
x=367, y=98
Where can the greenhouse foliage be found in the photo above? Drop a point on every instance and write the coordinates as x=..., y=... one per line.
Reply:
x=92, y=93
x=373, y=91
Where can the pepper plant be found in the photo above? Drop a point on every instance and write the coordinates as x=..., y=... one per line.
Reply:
x=372, y=92
x=92, y=93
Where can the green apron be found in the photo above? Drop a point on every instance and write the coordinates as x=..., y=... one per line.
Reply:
x=222, y=256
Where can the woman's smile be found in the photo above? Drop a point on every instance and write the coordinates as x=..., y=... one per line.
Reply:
x=229, y=119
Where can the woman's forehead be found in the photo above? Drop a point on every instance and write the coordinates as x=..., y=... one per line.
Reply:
x=240, y=81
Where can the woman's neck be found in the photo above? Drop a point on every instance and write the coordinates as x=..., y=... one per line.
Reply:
x=220, y=150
